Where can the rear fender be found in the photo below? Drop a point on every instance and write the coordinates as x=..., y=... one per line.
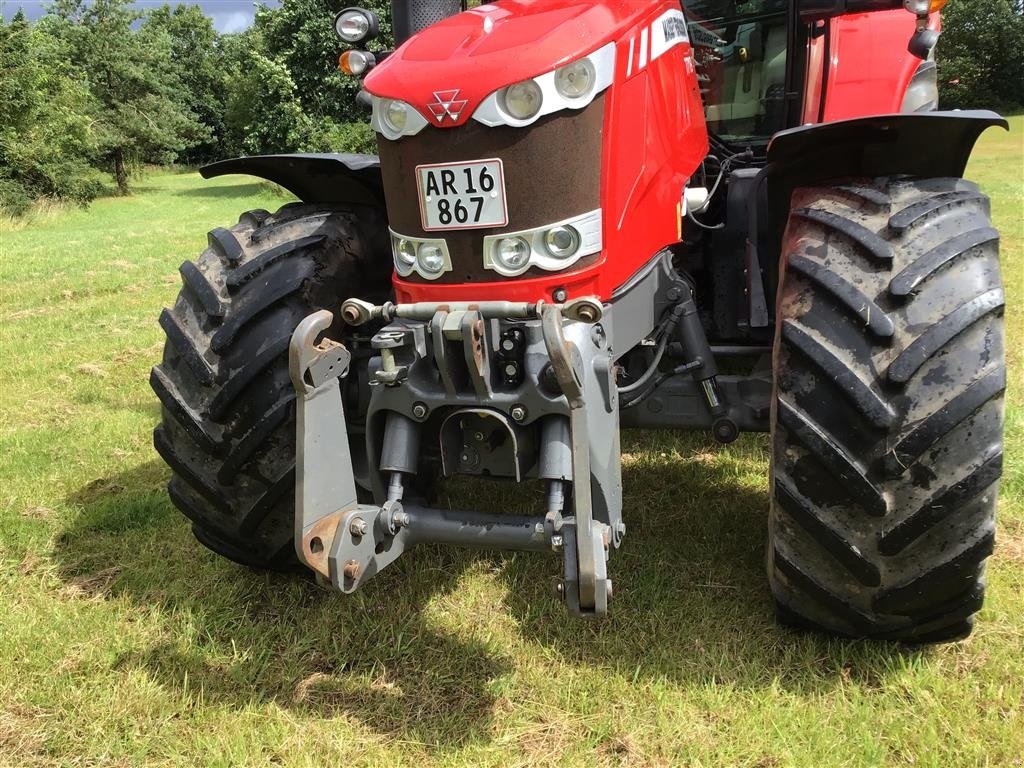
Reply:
x=313, y=178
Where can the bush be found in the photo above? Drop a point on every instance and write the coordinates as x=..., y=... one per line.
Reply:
x=47, y=142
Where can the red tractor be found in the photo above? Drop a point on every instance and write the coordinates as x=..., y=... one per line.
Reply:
x=594, y=214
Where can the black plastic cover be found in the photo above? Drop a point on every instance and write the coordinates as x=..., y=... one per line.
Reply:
x=313, y=178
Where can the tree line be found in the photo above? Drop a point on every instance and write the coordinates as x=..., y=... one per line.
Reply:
x=95, y=89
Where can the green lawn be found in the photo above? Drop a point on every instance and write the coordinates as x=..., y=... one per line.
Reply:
x=122, y=641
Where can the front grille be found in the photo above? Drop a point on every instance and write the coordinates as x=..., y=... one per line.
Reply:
x=552, y=172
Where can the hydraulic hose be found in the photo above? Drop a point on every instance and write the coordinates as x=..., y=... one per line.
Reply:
x=651, y=370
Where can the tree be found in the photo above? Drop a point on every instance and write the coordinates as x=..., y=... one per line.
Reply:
x=300, y=35
x=979, y=54
x=196, y=60
x=141, y=111
x=47, y=142
x=263, y=114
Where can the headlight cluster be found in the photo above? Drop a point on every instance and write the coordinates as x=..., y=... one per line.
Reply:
x=427, y=257
x=573, y=86
x=552, y=247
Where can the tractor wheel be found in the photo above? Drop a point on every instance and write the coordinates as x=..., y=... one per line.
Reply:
x=228, y=426
x=888, y=413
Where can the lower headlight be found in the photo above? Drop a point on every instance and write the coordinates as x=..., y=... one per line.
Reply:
x=512, y=253
x=562, y=242
x=522, y=100
x=430, y=258
x=405, y=252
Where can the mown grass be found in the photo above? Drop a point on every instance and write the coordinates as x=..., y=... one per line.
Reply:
x=123, y=642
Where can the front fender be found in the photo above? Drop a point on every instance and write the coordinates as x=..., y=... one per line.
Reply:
x=922, y=144
x=313, y=178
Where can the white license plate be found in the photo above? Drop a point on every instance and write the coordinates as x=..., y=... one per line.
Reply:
x=462, y=195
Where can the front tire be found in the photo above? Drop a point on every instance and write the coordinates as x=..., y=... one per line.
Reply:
x=888, y=413
x=228, y=417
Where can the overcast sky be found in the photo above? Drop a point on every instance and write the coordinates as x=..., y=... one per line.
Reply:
x=227, y=15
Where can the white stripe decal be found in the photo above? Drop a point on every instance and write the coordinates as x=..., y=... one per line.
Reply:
x=629, y=61
x=643, y=48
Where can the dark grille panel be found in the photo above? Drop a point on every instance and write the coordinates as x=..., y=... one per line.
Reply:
x=552, y=172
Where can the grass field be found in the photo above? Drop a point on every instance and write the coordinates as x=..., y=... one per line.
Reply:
x=124, y=642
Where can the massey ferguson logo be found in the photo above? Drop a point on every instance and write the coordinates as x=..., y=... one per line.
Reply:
x=447, y=103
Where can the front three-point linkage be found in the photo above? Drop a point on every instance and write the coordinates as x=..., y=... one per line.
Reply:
x=347, y=543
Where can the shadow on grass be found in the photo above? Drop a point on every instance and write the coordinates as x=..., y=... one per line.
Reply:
x=231, y=191
x=691, y=605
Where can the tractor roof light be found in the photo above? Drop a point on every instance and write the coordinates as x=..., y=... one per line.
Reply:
x=356, y=63
x=354, y=25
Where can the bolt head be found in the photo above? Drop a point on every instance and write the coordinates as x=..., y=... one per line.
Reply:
x=560, y=294
x=358, y=527
x=419, y=410
x=351, y=570
x=518, y=413
x=556, y=542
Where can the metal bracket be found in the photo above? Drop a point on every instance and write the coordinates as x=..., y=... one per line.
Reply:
x=585, y=549
x=324, y=483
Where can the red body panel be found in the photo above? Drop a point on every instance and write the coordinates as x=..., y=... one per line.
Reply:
x=869, y=67
x=654, y=134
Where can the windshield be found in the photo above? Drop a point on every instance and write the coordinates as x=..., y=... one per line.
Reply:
x=740, y=50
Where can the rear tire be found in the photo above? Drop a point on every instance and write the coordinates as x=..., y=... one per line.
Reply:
x=228, y=425
x=888, y=412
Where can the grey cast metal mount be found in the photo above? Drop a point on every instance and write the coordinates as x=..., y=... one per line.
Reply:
x=346, y=543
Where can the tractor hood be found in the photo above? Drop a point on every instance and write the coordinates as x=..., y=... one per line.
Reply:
x=481, y=50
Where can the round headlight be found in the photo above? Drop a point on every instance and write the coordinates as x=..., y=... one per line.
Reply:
x=576, y=80
x=395, y=114
x=562, y=242
x=353, y=25
x=522, y=100
x=405, y=252
x=511, y=253
x=430, y=258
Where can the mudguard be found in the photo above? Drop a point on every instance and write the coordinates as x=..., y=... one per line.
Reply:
x=923, y=144
x=313, y=178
